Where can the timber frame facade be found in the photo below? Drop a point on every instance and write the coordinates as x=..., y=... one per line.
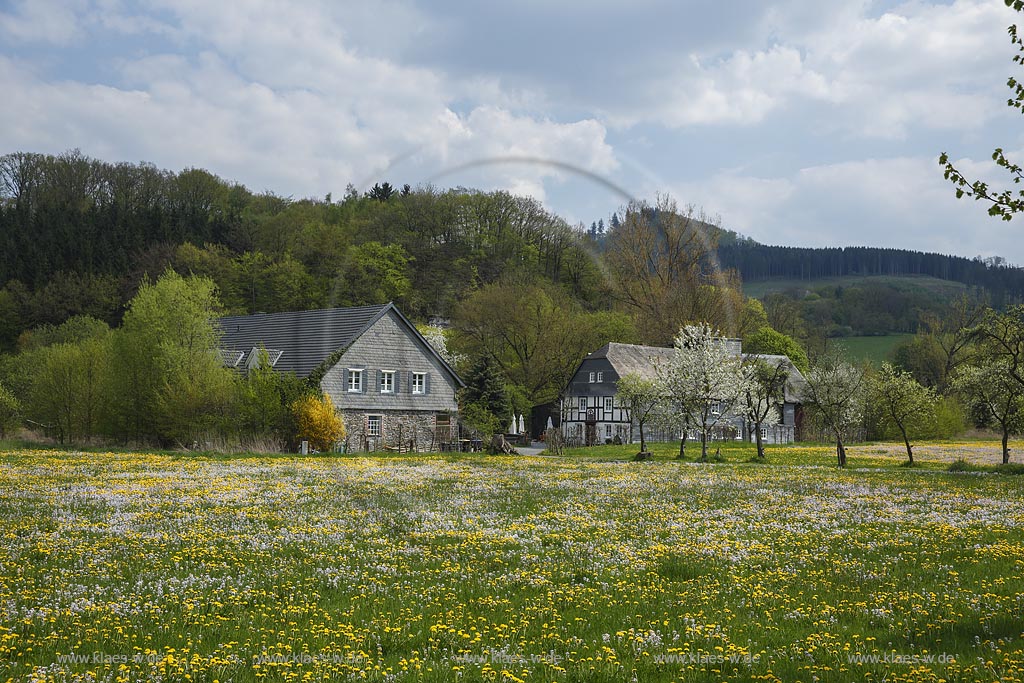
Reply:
x=591, y=412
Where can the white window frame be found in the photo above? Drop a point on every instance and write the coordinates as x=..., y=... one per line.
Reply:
x=600, y=377
x=377, y=420
x=581, y=404
x=764, y=433
x=387, y=381
x=607, y=431
x=609, y=404
x=716, y=407
x=592, y=375
x=355, y=380
x=419, y=383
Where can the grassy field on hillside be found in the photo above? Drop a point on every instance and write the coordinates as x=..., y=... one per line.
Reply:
x=945, y=289
x=125, y=567
x=877, y=349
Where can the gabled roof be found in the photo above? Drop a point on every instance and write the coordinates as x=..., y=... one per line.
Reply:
x=645, y=360
x=299, y=341
x=305, y=338
x=633, y=358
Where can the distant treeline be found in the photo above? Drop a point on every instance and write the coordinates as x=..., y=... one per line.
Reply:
x=757, y=262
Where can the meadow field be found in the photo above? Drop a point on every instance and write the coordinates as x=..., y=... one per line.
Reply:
x=156, y=567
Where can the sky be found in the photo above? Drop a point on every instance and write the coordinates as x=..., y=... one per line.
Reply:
x=795, y=122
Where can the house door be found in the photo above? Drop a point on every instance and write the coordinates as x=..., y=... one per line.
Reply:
x=591, y=434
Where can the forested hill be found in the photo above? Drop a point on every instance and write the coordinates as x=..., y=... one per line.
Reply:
x=756, y=262
x=78, y=235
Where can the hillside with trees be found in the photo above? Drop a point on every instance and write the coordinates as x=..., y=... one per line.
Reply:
x=91, y=252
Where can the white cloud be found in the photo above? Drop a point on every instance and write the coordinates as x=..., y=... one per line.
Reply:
x=46, y=21
x=302, y=113
x=742, y=89
x=901, y=202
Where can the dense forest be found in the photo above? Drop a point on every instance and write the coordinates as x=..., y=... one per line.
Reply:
x=77, y=236
x=753, y=261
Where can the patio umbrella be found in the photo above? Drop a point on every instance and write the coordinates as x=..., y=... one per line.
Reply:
x=512, y=429
x=551, y=425
x=522, y=427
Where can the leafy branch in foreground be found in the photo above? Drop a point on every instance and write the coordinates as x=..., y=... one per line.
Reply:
x=1005, y=203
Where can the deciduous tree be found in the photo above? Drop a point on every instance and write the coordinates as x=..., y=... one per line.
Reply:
x=767, y=341
x=904, y=403
x=10, y=411
x=168, y=378
x=835, y=394
x=640, y=398
x=663, y=270
x=764, y=393
x=704, y=379
x=989, y=386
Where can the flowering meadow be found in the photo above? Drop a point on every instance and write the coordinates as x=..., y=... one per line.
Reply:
x=139, y=567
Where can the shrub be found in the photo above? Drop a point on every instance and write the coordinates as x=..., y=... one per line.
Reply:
x=10, y=411
x=317, y=422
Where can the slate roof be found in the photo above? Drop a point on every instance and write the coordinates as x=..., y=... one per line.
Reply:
x=304, y=338
x=644, y=361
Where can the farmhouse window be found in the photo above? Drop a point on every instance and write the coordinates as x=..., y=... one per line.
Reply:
x=600, y=377
x=716, y=407
x=374, y=424
x=592, y=375
x=583, y=402
x=387, y=381
x=764, y=433
x=608, y=404
x=419, y=382
x=355, y=380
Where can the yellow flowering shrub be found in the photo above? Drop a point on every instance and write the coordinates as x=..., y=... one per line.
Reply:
x=317, y=422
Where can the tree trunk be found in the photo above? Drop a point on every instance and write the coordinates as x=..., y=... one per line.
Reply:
x=704, y=445
x=1006, y=438
x=760, y=444
x=643, y=441
x=840, y=451
x=906, y=441
x=682, y=446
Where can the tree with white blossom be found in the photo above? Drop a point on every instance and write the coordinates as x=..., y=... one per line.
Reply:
x=764, y=393
x=704, y=381
x=835, y=394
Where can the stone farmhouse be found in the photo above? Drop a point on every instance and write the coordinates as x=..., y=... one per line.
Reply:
x=592, y=414
x=393, y=390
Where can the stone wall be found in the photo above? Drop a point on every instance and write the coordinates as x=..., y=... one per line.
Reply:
x=401, y=431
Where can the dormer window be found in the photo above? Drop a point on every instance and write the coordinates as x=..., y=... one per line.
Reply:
x=592, y=376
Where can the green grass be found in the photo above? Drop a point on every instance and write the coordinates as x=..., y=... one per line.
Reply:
x=876, y=349
x=475, y=568
x=945, y=289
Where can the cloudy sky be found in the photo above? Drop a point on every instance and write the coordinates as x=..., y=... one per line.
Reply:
x=797, y=122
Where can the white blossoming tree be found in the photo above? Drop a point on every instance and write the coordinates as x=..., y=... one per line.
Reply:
x=704, y=381
x=764, y=393
x=835, y=393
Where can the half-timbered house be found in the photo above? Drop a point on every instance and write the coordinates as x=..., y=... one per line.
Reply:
x=592, y=413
